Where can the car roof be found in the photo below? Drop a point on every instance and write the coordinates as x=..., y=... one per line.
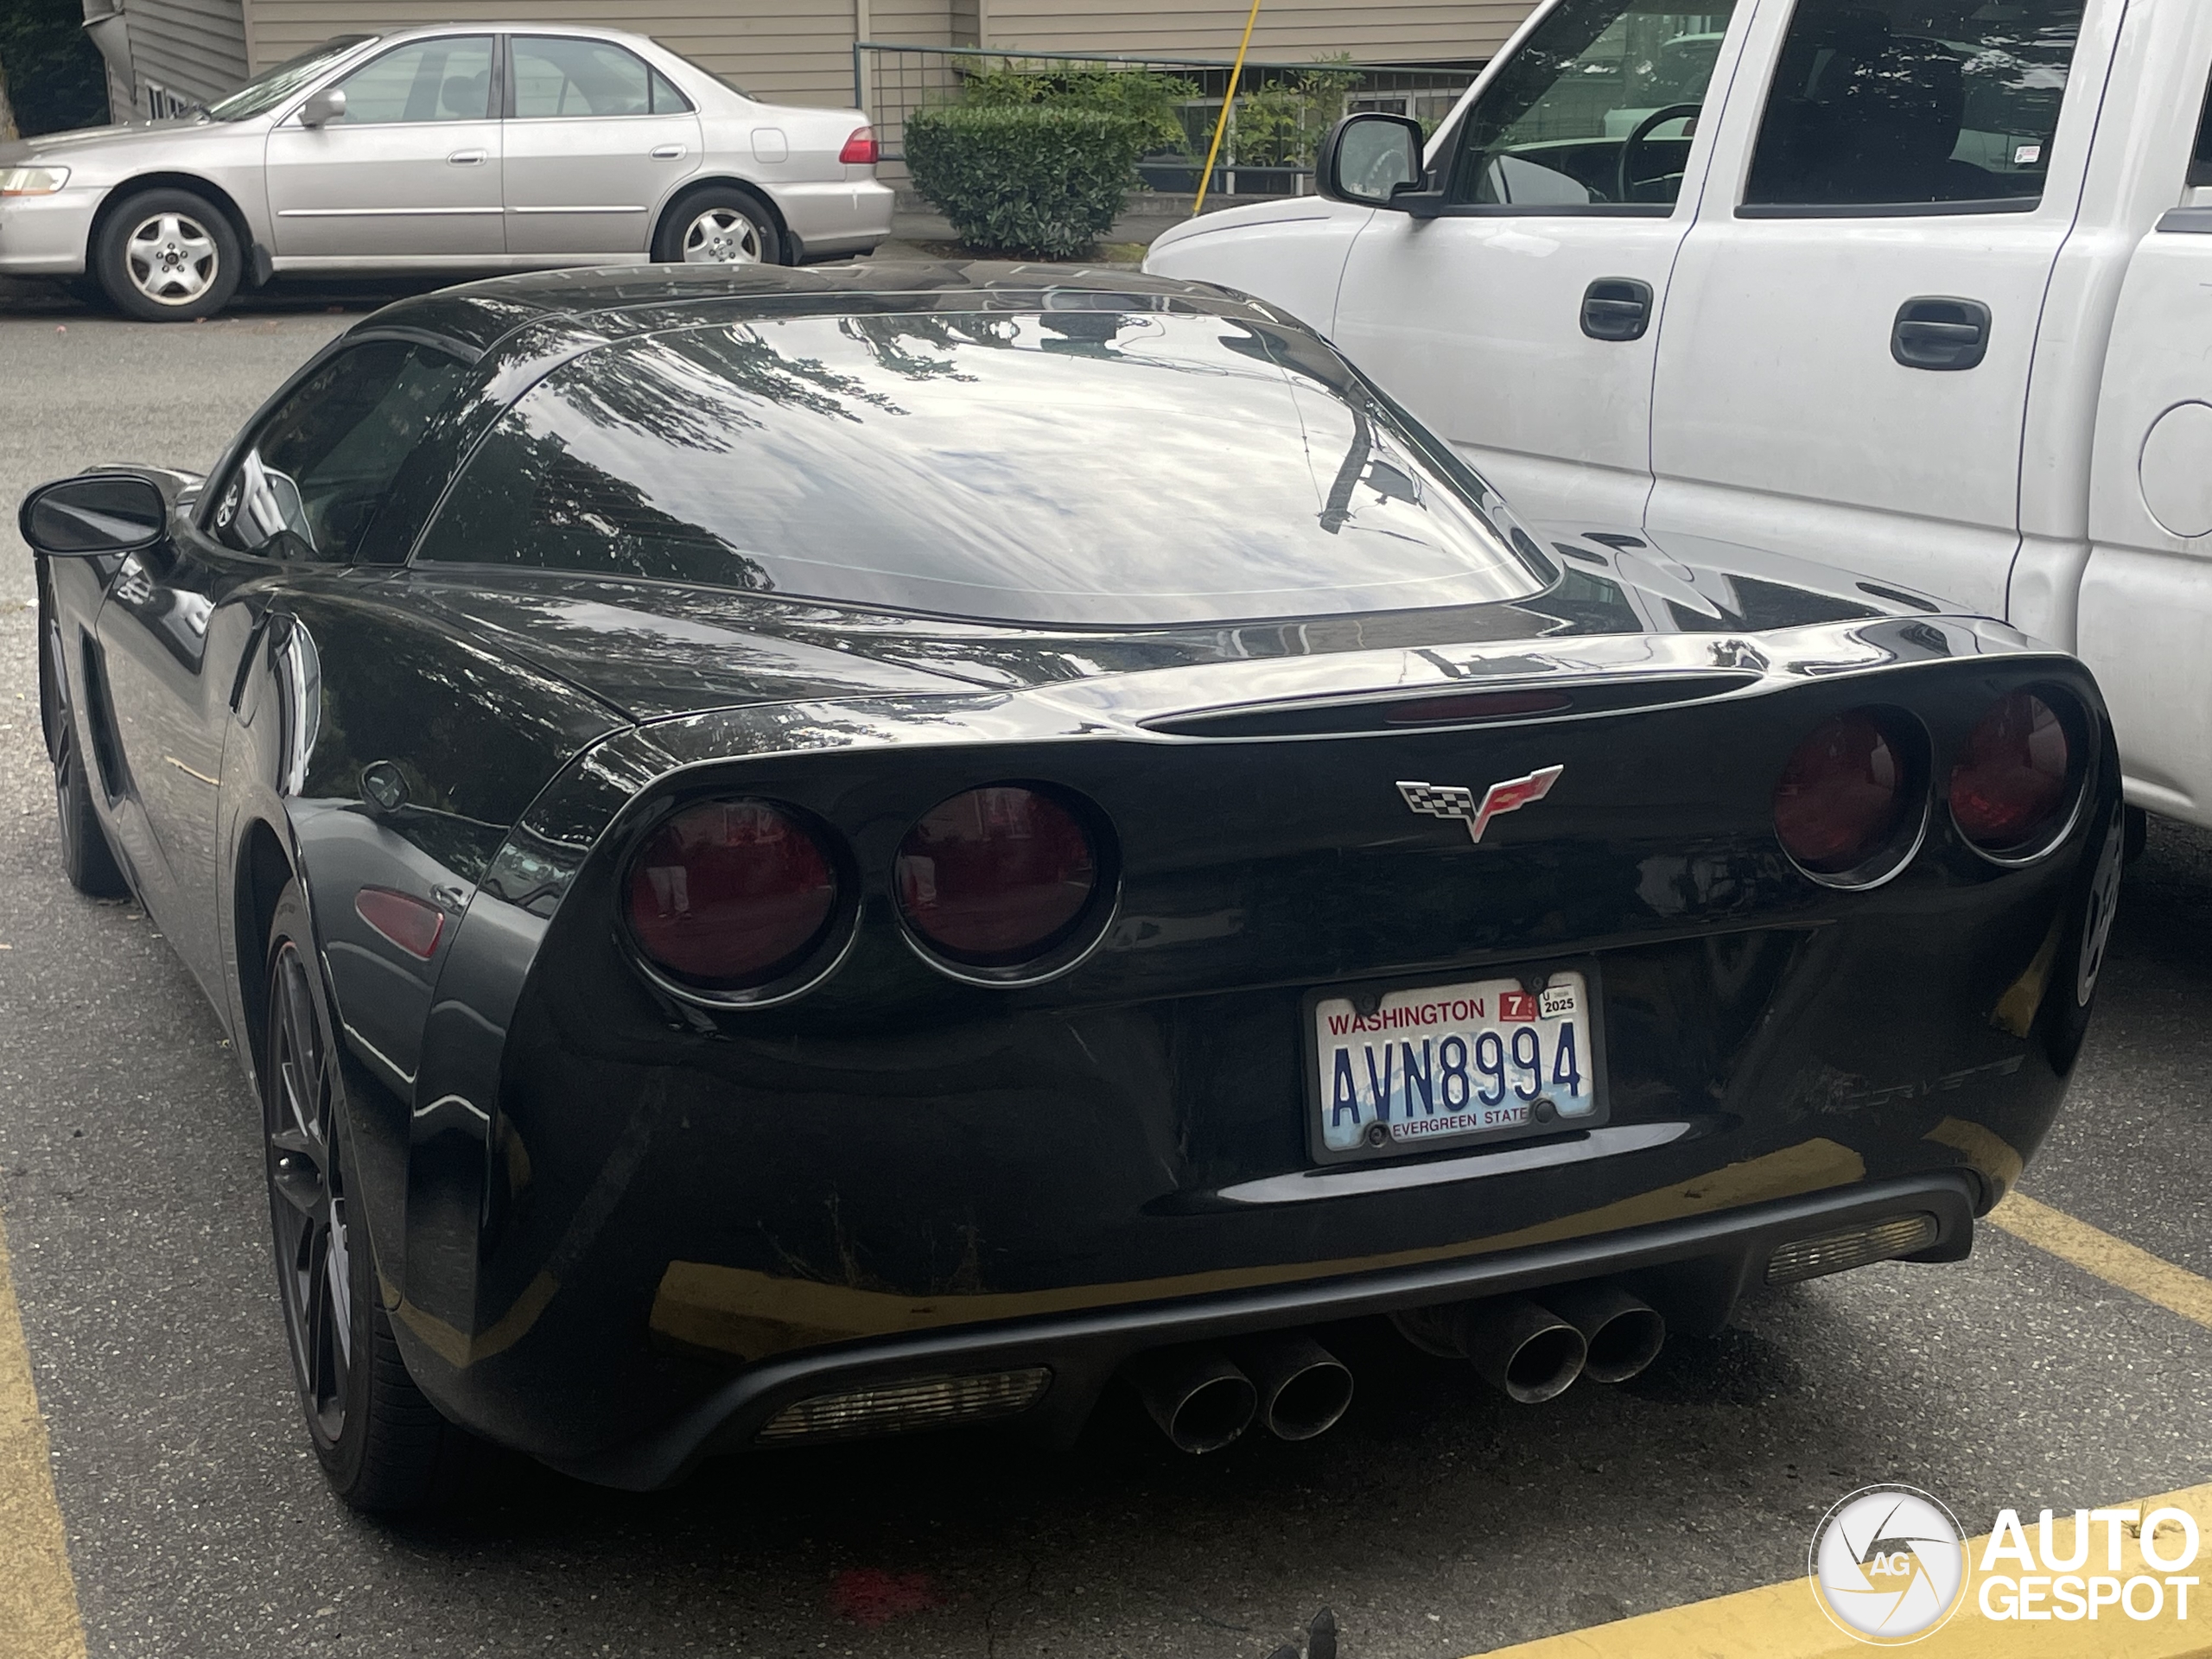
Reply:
x=632, y=299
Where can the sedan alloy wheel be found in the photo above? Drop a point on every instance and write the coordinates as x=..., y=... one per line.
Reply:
x=172, y=259
x=723, y=235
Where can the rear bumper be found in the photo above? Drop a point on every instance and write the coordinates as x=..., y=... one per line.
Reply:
x=45, y=236
x=1695, y=1270
x=853, y=214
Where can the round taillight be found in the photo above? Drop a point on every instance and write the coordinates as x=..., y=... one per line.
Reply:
x=997, y=876
x=2009, y=787
x=730, y=895
x=1844, y=794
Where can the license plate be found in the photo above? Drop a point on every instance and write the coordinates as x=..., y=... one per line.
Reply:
x=1431, y=1066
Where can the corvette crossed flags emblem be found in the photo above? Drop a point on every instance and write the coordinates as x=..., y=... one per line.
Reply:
x=1450, y=801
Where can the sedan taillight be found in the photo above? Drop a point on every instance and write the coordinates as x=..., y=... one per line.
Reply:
x=2010, y=786
x=729, y=895
x=997, y=876
x=860, y=148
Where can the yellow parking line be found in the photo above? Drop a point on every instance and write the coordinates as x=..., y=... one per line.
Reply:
x=2112, y=1260
x=38, y=1598
x=1783, y=1621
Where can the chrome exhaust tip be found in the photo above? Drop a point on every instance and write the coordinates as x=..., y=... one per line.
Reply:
x=1200, y=1400
x=1303, y=1388
x=1623, y=1333
x=1525, y=1350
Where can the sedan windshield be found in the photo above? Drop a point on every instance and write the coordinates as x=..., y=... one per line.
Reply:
x=273, y=86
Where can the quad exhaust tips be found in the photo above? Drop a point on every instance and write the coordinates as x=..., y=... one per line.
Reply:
x=1513, y=1344
x=1200, y=1400
x=1620, y=1334
x=1203, y=1399
x=1533, y=1351
x=1303, y=1388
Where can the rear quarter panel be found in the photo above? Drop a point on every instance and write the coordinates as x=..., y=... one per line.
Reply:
x=341, y=683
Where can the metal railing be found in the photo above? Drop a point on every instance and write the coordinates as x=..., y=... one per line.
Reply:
x=1280, y=113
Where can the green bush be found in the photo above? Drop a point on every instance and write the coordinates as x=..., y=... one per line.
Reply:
x=1041, y=179
x=1142, y=95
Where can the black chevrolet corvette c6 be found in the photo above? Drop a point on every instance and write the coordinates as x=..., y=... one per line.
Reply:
x=797, y=856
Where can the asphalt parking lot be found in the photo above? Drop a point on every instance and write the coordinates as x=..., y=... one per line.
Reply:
x=1438, y=1521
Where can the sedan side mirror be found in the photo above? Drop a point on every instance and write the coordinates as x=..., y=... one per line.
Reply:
x=1372, y=159
x=324, y=107
x=94, y=513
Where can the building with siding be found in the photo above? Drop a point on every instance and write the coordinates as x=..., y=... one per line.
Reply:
x=164, y=54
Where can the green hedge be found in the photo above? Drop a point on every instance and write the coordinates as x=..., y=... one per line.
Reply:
x=1043, y=180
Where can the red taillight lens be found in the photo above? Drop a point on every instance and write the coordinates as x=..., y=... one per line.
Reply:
x=2009, y=785
x=730, y=893
x=1843, y=795
x=860, y=148
x=996, y=876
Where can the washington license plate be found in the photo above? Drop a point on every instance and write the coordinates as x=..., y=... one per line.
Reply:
x=1433, y=1064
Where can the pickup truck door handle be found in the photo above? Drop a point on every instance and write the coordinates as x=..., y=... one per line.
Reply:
x=1617, y=307
x=1941, y=334
x=666, y=152
x=468, y=157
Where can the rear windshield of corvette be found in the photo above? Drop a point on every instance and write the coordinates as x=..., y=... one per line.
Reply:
x=1087, y=467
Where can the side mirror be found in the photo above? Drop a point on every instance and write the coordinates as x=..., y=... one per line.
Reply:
x=94, y=513
x=324, y=107
x=1371, y=159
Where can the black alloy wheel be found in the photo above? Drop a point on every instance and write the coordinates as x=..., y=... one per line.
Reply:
x=384, y=1447
x=306, y=1196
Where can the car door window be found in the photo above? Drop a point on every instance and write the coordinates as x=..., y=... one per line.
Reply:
x=2200, y=167
x=310, y=483
x=558, y=76
x=445, y=80
x=1914, y=102
x=1598, y=106
x=666, y=100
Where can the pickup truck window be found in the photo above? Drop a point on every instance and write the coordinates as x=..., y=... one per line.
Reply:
x=1914, y=102
x=1597, y=108
x=2200, y=167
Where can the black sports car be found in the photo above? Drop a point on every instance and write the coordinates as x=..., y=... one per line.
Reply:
x=796, y=855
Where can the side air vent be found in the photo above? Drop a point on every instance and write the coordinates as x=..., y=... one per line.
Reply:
x=107, y=759
x=1440, y=706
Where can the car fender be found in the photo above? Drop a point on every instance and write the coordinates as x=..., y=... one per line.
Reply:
x=1291, y=254
x=344, y=768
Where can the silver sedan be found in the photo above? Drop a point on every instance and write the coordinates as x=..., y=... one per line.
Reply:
x=461, y=148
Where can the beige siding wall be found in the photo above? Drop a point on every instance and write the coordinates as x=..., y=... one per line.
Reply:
x=1289, y=31
x=800, y=51
x=788, y=51
x=913, y=23
x=193, y=48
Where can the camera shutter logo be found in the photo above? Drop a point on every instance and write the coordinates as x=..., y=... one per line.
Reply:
x=1889, y=1565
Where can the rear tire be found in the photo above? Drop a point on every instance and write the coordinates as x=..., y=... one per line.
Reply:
x=169, y=256
x=384, y=1448
x=719, y=225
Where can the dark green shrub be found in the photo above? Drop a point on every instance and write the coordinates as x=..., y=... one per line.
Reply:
x=1155, y=99
x=1045, y=179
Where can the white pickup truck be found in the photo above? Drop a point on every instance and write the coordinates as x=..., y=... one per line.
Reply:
x=1918, y=288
